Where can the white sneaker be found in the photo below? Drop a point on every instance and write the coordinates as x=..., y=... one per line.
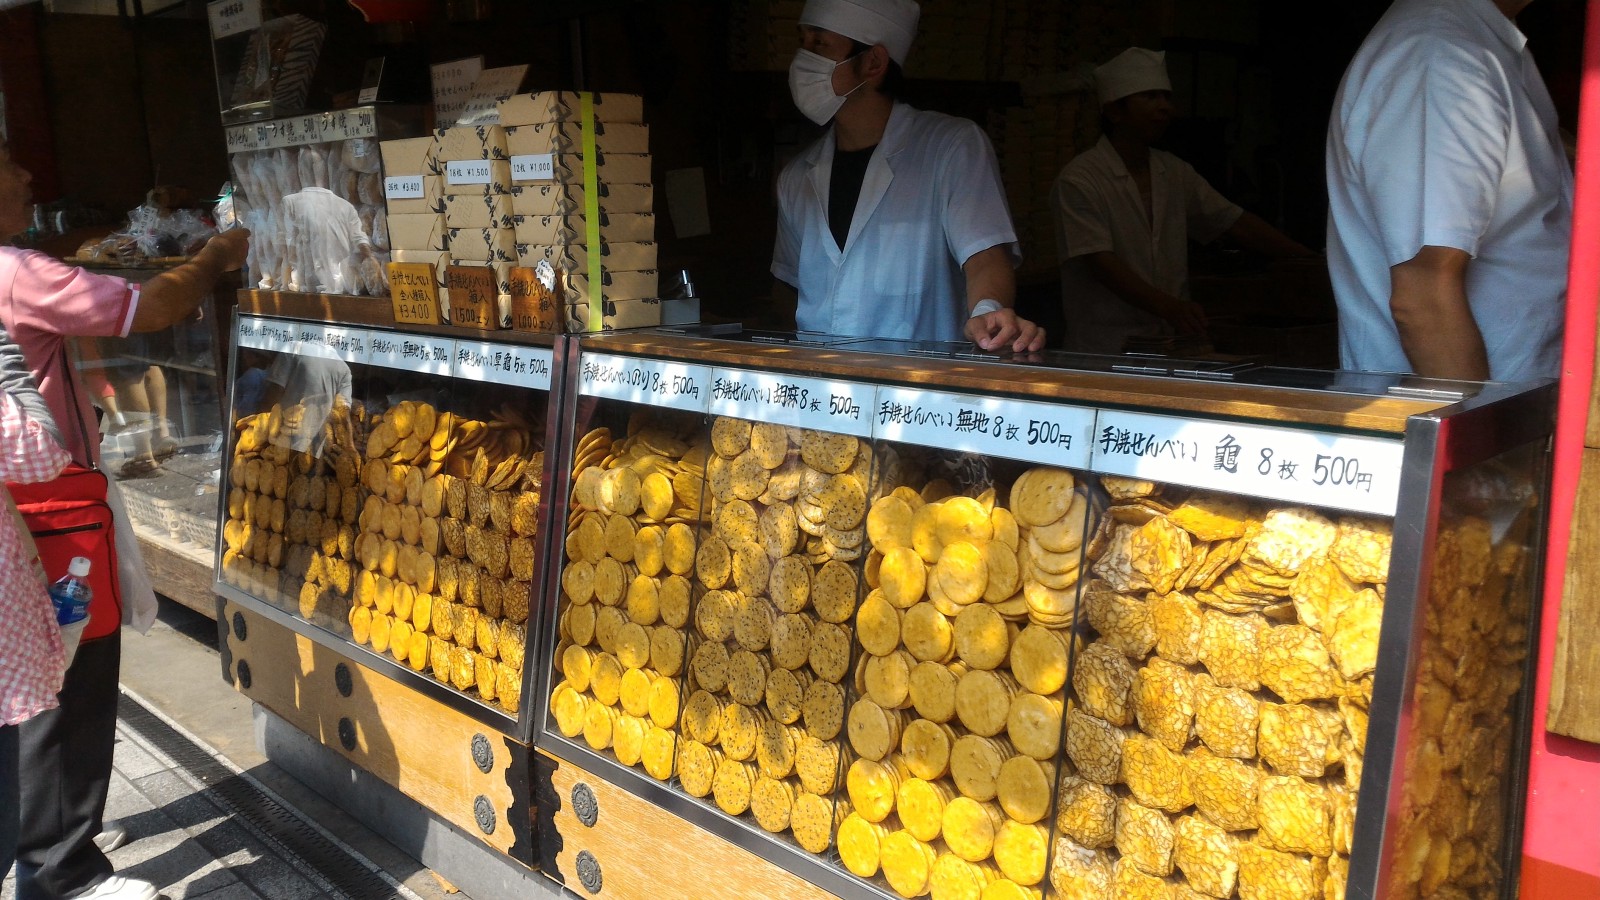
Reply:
x=112, y=835
x=118, y=888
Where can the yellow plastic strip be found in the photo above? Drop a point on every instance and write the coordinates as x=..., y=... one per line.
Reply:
x=591, y=202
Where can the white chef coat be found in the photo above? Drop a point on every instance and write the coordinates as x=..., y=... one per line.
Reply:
x=324, y=230
x=1443, y=134
x=1098, y=209
x=931, y=199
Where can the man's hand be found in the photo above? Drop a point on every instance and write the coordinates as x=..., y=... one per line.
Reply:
x=993, y=331
x=232, y=248
x=1186, y=316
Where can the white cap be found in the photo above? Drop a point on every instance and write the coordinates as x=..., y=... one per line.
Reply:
x=1134, y=71
x=892, y=23
x=79, y=567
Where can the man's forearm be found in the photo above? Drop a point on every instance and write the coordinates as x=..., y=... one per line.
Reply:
x=991, y=277
x=1253, y=233
x=1120, y=279
x=167, y=298
x=1428, y=299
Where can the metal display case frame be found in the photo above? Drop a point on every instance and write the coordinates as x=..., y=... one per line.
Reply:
x=1445, y=427
x=519, y=727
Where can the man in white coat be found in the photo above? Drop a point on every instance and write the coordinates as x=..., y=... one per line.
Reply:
x=894, y=224
x=1125, y=213
x=1449, y=198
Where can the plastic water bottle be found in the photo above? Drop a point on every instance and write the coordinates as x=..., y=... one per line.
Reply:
x=71, y=594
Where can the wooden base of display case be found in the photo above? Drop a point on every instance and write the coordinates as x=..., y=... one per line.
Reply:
x=635, y=849
x=467, y=775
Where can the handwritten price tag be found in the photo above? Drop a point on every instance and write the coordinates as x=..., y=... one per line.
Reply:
x=840, y=407
x=468, y=171
x=1015, y=429
x=416, y=352
x=533, y=167
x=250, y=333
x=349, y=344
x=1338, y=471
x=403, y=187
x=233, y=16
x=278, y=337
x=414, y=293
x=527, y=367
x=652, y=382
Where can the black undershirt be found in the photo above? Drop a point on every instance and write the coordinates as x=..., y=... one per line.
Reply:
x=844, y=189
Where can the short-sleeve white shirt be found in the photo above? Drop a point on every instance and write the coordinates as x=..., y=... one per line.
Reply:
x=1098, y=209
x=1443, y=134
x=931, y=199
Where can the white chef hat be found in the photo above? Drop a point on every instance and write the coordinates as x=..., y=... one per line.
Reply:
x=892, y=23
x=1133, y=71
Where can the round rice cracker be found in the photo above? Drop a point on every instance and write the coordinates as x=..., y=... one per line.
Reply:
x=1064, y=535
x=962, y=572
x=752, y=568
x=736, y=522
x=656, y=496
x=730, y=437
x=889, y=524
x=619, y=492
x=833, y=592
x=903, y=577
x=790, y=584
x=713, y=563
x=1042, y=496
x=780, y=534
x=678, y=549
x=963, y=519
x=830, y=453
x=673, y=595
x=1005, y=577
x=749, y=477
x=770, y=444
x=844, y=502
x=648, y=550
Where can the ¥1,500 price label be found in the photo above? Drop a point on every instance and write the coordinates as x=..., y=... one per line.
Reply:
x=527, y=367
x=1338, y=471
x=994, y=426
x=652, y=382
x=419, y=353
x=471, y=171
x=841, y=407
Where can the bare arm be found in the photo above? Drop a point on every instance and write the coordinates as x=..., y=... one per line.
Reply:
x=1186, y=316
x=1428, y=299
x=169, y=297
x=1253, y=233
x=991, y=277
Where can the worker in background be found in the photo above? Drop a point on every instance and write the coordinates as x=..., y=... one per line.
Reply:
x=894, y=224
x=1125, y=213
x=1449, y=198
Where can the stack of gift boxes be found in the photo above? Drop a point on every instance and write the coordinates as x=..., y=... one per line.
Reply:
x=513, y=194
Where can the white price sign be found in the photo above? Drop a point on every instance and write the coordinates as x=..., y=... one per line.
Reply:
x=417, y=352
x=468, y=171
x=278, y=337
x=233, y=16
x=349, y=344
x=533, y=167
x=1338, y=471
x=841, y=407
x=527, y=367
x=993, y=426
x=402, y=187
x=652, y=382
x=250, y=333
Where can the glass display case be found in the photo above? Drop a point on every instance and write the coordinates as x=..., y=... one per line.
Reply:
x=383, y=497
x=908, y=619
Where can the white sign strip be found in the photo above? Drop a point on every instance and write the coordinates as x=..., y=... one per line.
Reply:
x=418, y=352
x=527, y=367
x=468, y=171
x=653, y=382
x=278, y=337
x=1338, y=471
x=313, y=128
x=402, y=187
x=841, y=407
x=533, y=167
x=994, y=426
x=249, y=333
x=349, y=344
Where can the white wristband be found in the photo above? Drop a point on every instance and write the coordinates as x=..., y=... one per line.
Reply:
x=984, y=307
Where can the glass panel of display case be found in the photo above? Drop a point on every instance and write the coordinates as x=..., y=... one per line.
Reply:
x=386, y=488
x=1464, y=750
x=161, y=426
x=632, y=515
x=958, y=698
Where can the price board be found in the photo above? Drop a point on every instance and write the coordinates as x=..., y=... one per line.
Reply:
x=533, y=167
x=414, y=293
x=994, y=426
x=1338, y=471
x=842, y=407
x=474, y=297
x=533, y=299
x=653, y=382
x=403, y=187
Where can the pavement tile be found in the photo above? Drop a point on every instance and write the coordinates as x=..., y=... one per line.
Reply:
x=235, y=891
x=133, y=761
x=181, y=871
x=254, y=863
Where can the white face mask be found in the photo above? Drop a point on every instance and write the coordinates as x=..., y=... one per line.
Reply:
x=811, y=86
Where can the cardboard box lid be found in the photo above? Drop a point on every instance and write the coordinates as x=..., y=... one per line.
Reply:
x=624, y=257
x=568, y=137
x=422, y=231
x=547, y=198
x=615, y=315
x=410, y=156
x=615, y=286
x=562, y=106
x=483, y=245
x=478, y=211
x=471, y=142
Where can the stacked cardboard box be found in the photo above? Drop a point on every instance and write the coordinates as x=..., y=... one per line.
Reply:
x=476, y=166
x=549, y=207
x=414, y=192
